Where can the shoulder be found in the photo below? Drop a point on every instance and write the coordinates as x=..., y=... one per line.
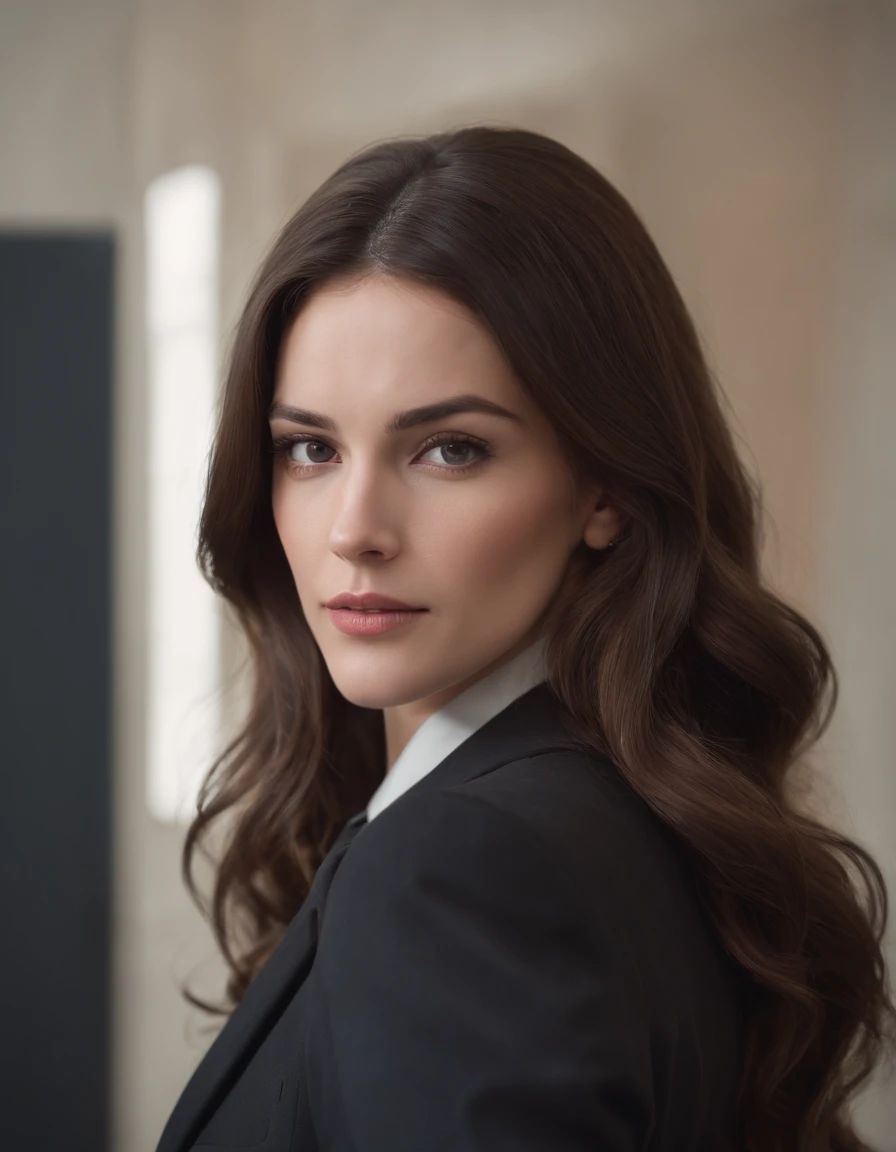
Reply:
x=541, y=907
x=458, y=980
x=453, y=836
x=447, y=880
x=554, y=839
x=591, y=820
x=441, y=861
x=555, y=828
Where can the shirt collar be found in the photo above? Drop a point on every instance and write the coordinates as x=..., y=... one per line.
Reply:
x=455, y=721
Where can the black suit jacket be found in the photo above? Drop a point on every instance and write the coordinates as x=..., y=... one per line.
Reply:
x=511, y=956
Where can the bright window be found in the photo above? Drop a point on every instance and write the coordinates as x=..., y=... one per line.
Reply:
x=182, y=230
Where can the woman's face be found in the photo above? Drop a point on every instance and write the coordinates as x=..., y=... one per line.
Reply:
x=472, y=516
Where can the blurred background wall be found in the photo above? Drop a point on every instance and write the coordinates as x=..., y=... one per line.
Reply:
x=753, y=136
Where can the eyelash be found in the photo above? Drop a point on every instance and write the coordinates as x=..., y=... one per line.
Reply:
x=280, y=446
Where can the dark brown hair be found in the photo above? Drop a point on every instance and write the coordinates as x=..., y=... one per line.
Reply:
x=700, y=684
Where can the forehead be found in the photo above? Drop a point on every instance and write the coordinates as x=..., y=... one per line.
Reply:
x=389, y=331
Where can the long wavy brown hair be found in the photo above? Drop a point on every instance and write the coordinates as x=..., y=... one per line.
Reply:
x=703, y=687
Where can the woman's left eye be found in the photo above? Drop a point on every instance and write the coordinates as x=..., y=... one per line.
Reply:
x=282, y=445
x=465, y=445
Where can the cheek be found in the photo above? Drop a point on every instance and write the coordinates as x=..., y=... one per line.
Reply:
x=287, y=524
x=518, y=541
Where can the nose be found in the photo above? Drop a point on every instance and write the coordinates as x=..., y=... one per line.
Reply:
x=366, y=517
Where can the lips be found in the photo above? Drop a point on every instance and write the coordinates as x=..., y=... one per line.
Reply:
x=372, y=622
x=370, y=602
x=374, y=611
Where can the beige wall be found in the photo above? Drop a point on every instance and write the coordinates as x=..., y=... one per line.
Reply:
x=751, y=137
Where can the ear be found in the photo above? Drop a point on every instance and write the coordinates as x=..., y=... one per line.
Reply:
x=603, y=523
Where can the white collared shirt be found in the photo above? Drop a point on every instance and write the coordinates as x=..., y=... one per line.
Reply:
x=445, y=729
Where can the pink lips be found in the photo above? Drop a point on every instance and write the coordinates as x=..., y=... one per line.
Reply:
x=371, y=623
x=368, y=600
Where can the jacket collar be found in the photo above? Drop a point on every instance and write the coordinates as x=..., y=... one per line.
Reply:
x=453, y=723
x=533, y=723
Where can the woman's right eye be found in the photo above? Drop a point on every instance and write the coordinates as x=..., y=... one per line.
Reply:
x=283, y=445
x=314, y=447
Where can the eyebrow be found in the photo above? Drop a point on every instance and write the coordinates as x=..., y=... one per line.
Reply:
x=401, y=420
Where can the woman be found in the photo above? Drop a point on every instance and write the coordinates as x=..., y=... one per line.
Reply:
x=514, y=865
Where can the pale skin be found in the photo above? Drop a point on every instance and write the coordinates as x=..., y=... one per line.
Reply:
x=482, y=542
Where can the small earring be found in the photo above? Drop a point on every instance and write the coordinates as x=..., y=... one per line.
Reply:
x=622, y=535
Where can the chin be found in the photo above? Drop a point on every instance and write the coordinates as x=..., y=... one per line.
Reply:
x=373, y=687
x=368, y=696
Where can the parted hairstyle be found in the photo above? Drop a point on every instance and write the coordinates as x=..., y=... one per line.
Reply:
x=701, y=686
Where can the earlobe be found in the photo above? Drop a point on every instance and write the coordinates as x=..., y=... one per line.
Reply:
x=604, y=526
x=599, y=538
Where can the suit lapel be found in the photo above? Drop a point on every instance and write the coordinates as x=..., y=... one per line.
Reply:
x=533, y=723
x=254, y=1016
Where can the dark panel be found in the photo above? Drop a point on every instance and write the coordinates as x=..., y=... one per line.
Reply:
x=56, y=361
